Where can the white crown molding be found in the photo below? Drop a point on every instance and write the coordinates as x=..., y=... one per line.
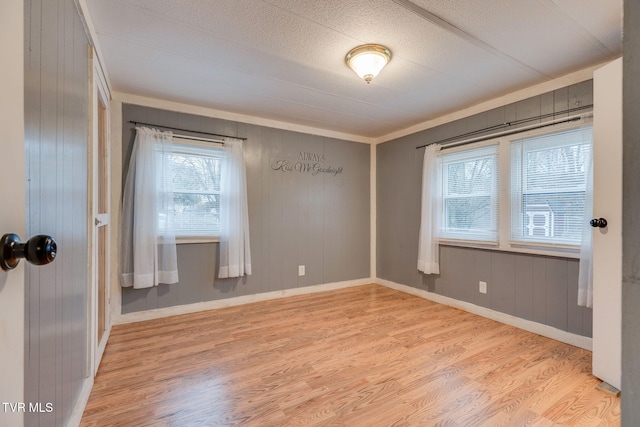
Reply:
x=127, y=98
x=519, y=95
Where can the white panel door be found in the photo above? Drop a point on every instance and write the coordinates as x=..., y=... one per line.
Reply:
x=13, y=210
x=607, y=241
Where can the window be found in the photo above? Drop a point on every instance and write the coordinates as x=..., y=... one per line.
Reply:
x=548, y=186
x=196, y=178
x=469, y=194
x=541, y=204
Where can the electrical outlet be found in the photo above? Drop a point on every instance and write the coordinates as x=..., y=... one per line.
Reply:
x=482, y=287
x=301, y=271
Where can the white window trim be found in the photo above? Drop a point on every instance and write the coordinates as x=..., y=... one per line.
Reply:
x=187, y=240
x=505, y=243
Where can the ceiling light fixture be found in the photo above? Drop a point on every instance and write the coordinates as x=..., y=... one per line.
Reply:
x=367, y=60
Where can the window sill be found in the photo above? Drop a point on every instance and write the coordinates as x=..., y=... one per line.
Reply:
x=187, y=240
x=558, y=251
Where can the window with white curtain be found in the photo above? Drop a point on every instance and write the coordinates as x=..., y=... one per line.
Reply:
x=541, y=202
x=470, y=194
x=196, y=177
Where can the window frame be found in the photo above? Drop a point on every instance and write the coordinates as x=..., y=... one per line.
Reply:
x=522, y=192
x=189, y=146
x=505, y=242
x=494, y=196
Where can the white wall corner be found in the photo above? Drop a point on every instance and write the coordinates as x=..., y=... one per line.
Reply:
x=373, y=241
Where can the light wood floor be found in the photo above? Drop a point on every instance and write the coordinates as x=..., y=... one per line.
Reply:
x=363, y=356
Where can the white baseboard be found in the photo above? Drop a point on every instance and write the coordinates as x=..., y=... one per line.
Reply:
x=229, y=302
x=81, y=403
x=527, y=325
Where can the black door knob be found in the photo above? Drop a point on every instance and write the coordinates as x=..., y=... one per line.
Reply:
x=598, y=222
x=38, y=250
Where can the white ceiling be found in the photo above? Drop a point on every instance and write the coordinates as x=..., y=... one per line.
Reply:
x=284, y=59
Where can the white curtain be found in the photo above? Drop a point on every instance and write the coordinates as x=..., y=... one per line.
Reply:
x=585, y=275
x=430, y=217
x=235, y=251
x=148, y=241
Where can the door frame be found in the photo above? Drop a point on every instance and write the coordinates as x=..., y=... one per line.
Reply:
x=99, y=95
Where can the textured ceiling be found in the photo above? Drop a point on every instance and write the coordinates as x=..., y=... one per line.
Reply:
x=284, y=59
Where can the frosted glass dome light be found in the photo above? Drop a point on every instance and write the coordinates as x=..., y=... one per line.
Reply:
x=367, y=60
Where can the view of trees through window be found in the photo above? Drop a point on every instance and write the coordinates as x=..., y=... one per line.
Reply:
x=196, y=185
x=468, y=196
x=547, y=178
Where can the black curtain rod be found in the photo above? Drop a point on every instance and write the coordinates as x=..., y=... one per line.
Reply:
x=185, y=130
x=509, y=124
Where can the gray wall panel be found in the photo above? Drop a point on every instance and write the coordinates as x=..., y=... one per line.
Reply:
x=587, y=322
x=528, y=108
x=547, y=103
x=556, y=294
x=56, y=146
x=151, y=301
x=399, y=208
x=291, y=225
x=561, y=101
x=539, y=290
x=524, y=286
x=630, y=217
x=295, y=219
x=532, y=287
x=502, y=287
x=580, y=94
x=574, y=312
x=461, y=279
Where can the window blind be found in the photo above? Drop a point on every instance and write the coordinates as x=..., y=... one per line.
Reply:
x=548, y=186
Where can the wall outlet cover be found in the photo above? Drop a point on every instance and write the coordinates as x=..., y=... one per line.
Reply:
x=301, y=271
x=482, y=287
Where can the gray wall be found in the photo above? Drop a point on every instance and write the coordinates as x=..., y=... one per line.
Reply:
x=630, y=218
x=538, y=288
x=56, y=130
x=319, y=221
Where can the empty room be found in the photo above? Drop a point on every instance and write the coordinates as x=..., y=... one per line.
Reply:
x=329, y=213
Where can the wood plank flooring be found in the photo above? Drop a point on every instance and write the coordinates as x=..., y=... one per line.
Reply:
x=362, y=356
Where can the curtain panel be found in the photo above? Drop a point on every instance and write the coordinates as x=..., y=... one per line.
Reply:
x=585, y=275
x=147, y=238
x=428, y=261
x=235, y=248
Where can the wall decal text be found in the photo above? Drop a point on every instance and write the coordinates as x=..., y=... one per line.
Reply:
x=307, y=163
